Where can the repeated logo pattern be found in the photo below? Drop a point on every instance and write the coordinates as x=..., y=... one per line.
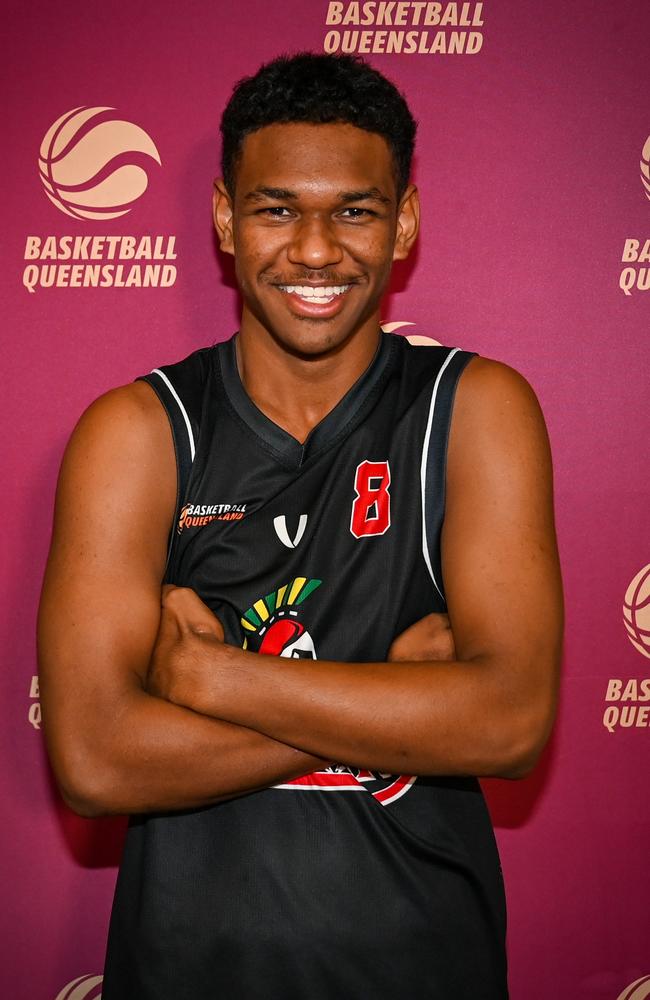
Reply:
x=638, y=990
x=93, y=164
x=645, y=167
x=83, y=988
x=636, y=611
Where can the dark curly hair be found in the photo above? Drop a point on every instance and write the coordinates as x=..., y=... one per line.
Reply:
x=318, y=89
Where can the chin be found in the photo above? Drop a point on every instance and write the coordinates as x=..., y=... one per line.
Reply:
x=316, y=340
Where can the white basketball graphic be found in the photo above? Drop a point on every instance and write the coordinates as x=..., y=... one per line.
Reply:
x=83, y=988
x=638, y=990
x=92, y=163
x=413, y=338
x=636, y=611
x=645, y=167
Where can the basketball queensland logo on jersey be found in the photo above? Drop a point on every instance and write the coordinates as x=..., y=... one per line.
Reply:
x=197, y=515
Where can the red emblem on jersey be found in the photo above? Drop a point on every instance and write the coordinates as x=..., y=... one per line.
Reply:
x=289, y=638
x=371, y=506
x=385, y=788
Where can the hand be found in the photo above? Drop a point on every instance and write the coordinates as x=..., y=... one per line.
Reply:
x=430, y=638
x=179, y=667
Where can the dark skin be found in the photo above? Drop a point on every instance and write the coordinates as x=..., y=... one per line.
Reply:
x=147, y=710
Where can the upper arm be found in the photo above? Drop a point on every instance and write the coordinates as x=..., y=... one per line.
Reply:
x=100, y=606
x=499, y=551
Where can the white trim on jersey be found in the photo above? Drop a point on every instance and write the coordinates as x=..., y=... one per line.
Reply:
x=402, y=790
x=322, y=788
x=157, y=371
x=423, y=469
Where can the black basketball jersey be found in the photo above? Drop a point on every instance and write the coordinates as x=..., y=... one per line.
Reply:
x=345, y=884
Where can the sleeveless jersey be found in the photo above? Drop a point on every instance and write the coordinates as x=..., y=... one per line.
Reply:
x=346, y=884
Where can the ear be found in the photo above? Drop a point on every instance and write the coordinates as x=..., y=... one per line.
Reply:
x=408, y=222
x=222, y=215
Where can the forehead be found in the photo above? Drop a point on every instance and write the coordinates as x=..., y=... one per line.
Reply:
x=296, y=155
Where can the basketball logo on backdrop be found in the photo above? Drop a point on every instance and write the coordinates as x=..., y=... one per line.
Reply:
x=636, y=611
x=93, y=165
x=413, y=338
x=638, y=990
x=83, y=988
x=406, y=29
x=645, y=167
x=34, y=714
x=627, y=700
x=636, y=250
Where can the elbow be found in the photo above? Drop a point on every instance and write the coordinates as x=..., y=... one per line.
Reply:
x=518, y=765
x=82, y=782
x=87, y=806
x=525, y=722
x=527, y=737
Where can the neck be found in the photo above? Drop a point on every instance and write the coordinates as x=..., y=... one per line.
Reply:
x=297, y=391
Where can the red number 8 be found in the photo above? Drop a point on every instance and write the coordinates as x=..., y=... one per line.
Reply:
x=371, y=508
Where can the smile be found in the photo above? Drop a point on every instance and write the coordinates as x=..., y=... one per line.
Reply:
x=317, y=295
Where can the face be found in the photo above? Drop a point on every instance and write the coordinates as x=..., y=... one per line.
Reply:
x=314, y=226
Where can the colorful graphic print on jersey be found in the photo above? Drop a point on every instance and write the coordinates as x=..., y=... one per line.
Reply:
x=272, y=626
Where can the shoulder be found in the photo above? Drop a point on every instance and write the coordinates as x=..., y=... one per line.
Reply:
x=490, y=389
x=129, y=416
x=120, y=455
x=497, y=424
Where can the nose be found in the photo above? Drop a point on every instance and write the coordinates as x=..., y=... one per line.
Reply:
x=314, y=244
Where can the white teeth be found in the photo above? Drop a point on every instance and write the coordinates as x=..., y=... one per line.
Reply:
x=319, y=295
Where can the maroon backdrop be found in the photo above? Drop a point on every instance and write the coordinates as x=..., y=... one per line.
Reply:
x=533, y=167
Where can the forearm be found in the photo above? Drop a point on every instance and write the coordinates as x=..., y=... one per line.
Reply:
x=149, y=755
x=417, y=718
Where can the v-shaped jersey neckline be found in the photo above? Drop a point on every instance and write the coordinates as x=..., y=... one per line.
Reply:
x=335, y=425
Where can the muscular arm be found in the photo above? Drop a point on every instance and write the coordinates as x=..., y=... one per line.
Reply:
x=489, y=711
x=114, y=747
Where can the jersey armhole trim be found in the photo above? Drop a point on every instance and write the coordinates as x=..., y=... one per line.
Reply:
x=183, y=440
x=434, y=461
x=190, y=435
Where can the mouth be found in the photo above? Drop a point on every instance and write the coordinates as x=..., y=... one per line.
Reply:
x=317, y=295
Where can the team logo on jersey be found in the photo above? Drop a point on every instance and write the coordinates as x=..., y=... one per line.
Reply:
x=280, y=525
x=272, y=625
x=385, y=788
x=196, y=515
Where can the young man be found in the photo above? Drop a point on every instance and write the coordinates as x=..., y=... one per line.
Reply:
x=308, y=821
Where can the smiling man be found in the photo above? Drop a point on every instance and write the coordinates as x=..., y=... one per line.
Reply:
x=295, y=731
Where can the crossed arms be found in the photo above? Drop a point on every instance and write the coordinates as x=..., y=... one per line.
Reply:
x=147, y=710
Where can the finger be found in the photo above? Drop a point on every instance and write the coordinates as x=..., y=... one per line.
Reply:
x=214, y=632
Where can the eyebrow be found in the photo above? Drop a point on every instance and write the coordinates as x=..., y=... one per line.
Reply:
x=284, y=194
x=278, y=194
x=371, y=194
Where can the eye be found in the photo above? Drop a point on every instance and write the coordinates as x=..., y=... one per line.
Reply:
x=276, y=212
x=357, y=213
